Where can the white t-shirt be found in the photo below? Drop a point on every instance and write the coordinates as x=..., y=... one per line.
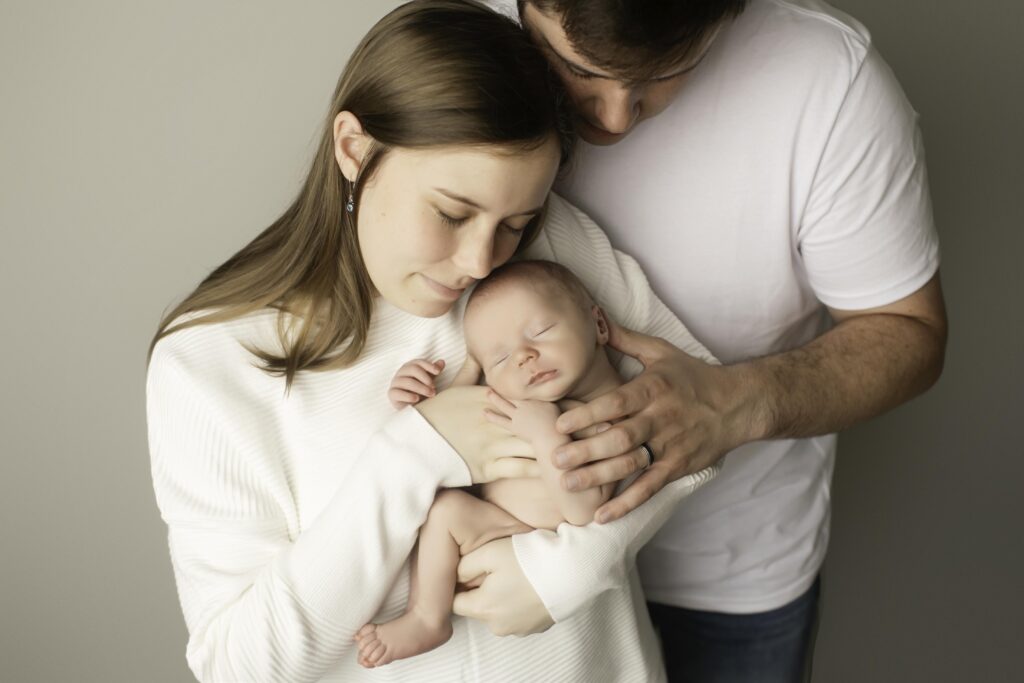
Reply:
x=788, y=173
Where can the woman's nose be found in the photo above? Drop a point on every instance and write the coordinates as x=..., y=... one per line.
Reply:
x=474, y=255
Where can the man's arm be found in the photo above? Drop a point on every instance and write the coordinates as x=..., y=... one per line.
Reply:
x=692, y=413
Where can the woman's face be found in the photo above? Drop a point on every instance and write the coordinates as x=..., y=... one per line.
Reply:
x=431, y=222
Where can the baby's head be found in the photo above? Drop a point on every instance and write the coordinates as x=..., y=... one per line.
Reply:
x=536, y=332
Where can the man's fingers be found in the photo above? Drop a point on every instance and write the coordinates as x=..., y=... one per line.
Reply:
x=512, y=468
x=633, y=343
x=615, y=405
x=616, y=440
x=604, y=472
x=591, y=431
x=635, y=495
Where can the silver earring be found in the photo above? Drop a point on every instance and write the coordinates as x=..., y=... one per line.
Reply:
x=350, y=205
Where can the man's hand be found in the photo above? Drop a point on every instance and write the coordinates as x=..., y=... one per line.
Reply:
x=414, y=381
x=689, y=412
x=503, y=598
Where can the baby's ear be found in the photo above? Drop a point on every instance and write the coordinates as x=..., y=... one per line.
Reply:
x=601, y=322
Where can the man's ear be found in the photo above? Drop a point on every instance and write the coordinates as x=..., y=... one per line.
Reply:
x=350, y=144
x=601, y=322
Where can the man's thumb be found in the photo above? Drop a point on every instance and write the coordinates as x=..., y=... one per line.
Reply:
x=630, y=342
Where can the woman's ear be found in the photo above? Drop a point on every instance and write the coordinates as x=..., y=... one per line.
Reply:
x=601, y=324
x=350, y=144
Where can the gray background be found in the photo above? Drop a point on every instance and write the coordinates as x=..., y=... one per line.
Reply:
x=142, y=142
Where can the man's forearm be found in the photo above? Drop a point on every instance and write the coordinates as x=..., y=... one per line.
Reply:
x=861, y=368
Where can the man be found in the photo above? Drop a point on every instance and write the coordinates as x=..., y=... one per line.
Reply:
x=759, y=160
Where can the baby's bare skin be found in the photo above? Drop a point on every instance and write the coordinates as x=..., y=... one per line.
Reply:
x=536, y=347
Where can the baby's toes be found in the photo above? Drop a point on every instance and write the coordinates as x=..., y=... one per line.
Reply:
x=366, y=630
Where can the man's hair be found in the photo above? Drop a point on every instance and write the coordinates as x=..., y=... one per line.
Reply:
x=541, y=274
x=638, y=39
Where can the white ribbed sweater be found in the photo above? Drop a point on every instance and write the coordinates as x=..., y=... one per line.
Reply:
x=290, y=518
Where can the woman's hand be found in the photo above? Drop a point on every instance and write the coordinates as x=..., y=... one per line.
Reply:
x=685, y=409
x=530, y=420
x=502, y=597
x=489, y=450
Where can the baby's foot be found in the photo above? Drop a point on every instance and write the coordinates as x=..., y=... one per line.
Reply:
x=407, y=636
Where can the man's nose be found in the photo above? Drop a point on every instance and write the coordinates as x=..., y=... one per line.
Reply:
x=616, y=108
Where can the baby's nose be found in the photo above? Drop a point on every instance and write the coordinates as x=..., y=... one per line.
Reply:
x=526, y=355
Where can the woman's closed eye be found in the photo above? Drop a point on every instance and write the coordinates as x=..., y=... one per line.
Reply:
x=455, y=221
x=451, y=220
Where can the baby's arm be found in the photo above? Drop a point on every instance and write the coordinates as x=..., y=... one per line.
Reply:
x=414, y=381
x=534, y=422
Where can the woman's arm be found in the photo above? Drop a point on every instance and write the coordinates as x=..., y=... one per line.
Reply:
x=263, y=600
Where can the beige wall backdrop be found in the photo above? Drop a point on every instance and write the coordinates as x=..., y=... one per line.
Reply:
x=142, y=142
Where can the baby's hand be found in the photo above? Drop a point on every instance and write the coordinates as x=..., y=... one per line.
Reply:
x=414, y=381
x=528, y=419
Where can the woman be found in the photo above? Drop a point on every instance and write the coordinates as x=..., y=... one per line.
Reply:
x=291, y=490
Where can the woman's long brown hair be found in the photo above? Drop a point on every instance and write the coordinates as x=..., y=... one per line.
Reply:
x=431, y=73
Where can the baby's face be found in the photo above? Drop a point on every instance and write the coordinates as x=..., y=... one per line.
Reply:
x=532, y=342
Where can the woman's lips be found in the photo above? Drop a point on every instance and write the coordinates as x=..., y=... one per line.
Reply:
x=446, y=292
x=542, y=377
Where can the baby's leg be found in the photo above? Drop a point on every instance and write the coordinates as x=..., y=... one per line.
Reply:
x=458, y=523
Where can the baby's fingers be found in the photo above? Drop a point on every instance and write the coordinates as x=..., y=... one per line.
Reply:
x=421, y=370
x=414, y=385
x=399, y=398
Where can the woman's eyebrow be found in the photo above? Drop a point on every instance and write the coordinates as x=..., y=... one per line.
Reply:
x=469, y=202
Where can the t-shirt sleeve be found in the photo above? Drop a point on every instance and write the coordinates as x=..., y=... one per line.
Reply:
x=263, y=601
x=867, y=236
x=600, y=554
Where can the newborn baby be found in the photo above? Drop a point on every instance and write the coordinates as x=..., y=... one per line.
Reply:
x=539, y=339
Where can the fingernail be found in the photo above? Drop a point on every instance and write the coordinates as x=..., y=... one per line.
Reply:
x=602, y=517
x=561, y=458
x=572, y=482
x=564, y=426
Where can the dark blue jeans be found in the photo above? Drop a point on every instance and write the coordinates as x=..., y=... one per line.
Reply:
x=712, y=647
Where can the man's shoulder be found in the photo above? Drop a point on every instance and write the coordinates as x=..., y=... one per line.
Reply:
x=824, y=17
x=806, y=28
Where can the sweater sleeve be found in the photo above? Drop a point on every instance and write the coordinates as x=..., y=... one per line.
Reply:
x=263, y=600
x=601, y=553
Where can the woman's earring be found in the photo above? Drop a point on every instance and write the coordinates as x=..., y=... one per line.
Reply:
x=350, y=205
